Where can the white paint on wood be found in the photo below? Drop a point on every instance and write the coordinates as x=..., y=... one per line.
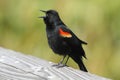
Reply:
x=17, y=66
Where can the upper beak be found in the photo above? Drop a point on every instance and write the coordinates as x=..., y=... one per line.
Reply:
x=42, y=16
x=43, y=11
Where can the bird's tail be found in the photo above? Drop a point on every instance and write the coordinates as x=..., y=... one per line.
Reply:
x=82, y=66
x=80, y=63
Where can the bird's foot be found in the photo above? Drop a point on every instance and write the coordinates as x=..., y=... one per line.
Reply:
x=59, y=65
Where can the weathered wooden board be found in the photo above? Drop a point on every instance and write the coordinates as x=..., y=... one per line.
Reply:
x=17, y=66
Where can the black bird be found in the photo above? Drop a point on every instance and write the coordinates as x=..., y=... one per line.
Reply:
x=62, y=40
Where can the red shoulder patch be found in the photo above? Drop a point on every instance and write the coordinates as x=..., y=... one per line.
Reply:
x=64, y=33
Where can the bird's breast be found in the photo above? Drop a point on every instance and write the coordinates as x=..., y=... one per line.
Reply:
x=57, y=44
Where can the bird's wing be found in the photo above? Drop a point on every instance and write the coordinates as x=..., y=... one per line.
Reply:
x=66, y=33
x=71, y=39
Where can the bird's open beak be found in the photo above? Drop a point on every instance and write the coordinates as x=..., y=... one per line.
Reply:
x=42, y=16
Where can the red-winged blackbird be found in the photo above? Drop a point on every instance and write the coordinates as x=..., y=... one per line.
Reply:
x=62, y=40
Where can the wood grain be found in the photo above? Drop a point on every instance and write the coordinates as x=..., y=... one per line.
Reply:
x=18, y=66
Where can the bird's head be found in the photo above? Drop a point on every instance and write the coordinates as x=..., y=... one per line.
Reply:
x=51, y=17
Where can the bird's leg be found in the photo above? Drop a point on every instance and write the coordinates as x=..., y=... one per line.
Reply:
x=62, y=65
x=61, y=61
x=66, y=60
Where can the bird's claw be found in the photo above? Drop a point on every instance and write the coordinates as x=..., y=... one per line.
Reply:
x=59, y=65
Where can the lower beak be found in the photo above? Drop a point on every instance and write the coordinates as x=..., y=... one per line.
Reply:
x=42, y=17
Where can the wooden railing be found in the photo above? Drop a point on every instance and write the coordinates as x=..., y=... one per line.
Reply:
x=17, y=66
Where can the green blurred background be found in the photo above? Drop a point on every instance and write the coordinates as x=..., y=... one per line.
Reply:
x=95, y=21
